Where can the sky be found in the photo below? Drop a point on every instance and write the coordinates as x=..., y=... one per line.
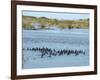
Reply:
x=57, y=15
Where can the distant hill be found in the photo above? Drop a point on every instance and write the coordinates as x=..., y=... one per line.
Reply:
x=30, y=22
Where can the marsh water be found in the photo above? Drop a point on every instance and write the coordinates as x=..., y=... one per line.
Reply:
x=73, y=39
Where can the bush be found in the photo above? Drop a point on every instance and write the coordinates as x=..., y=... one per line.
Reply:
x=70, y=27
x=43, y=26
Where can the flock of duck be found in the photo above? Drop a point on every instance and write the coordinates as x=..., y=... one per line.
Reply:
x=52, y=52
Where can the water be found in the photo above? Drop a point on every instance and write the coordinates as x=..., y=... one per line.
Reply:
x=74, y=39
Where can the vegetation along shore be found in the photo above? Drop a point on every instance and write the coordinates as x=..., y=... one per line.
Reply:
x=34, y=23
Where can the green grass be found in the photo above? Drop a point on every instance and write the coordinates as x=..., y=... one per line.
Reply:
x=44, y=22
